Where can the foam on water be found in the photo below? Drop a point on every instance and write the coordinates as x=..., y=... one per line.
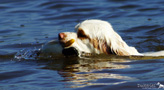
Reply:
x=27, y=54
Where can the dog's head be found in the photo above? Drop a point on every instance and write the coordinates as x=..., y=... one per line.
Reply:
x=71, y=44
x=96, y=36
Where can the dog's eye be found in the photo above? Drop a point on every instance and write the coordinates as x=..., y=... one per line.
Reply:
x=81, y=34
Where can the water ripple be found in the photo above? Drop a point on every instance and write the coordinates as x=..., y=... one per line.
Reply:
x=15, y=74
x=27, y=24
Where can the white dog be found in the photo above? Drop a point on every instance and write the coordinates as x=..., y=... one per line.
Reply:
x=96, y=37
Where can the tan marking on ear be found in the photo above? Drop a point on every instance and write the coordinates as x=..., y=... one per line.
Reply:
x=102, y=46
x=81, y=34
x=106, y=48
x=95, y=43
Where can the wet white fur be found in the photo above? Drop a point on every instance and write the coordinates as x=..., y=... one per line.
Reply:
x=104, y=32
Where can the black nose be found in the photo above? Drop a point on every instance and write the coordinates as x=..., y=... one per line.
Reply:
x=70, y=51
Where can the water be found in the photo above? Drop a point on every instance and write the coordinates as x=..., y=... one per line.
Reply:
x=28, y=24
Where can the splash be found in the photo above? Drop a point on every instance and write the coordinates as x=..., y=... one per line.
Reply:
x=26, y=54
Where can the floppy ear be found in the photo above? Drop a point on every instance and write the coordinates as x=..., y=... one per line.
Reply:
x=119, y=47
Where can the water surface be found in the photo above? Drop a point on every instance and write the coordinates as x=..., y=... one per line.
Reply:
x=28, y=24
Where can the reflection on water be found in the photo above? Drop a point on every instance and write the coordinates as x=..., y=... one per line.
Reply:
x=83, y=80
x=94, y=70
x=83, y=72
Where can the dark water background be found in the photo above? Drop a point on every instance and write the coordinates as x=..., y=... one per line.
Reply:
x=28, y=24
